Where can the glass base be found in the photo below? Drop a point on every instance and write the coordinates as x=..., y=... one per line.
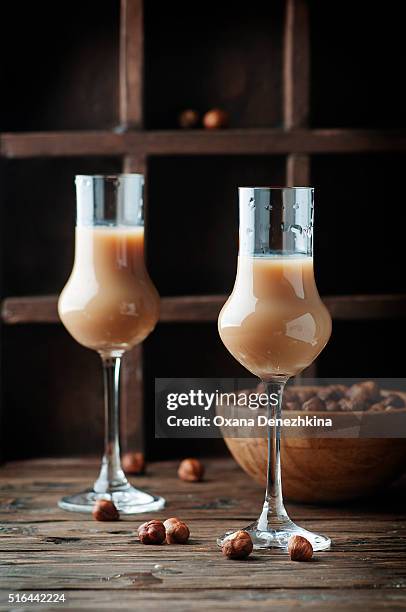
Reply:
x=128, y=500
x=277, y=534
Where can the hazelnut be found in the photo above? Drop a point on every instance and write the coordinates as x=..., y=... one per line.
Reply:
x=315, y=404
x=391, y=409
x=191, y=470
x=332, y=406
x=152, y=532
x=394, y=401
x=331, y=393
x=378, y=407
x=177, y=532
x=188, y=118
x=365, y=392
x=299, y=548
x=215, y=119
x=305, y=394
x=238, y=545
x=105, y=510
x=133, y=463
x=292, y=406
x=349, y=405
x=290, y=396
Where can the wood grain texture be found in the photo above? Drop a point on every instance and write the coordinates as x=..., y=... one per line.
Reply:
x=135, y=164
x=265, y=141
x=298, y=170
x=296, y=64
x=132, y=402
x=183, y=309
x=132, y=64
x=296, y=75
x=103, y=566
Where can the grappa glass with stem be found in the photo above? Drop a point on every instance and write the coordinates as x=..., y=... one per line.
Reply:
x=109, y=304
x=275, y=324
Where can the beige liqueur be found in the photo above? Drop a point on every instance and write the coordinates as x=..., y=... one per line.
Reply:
x=274, y=322
x=109, y=301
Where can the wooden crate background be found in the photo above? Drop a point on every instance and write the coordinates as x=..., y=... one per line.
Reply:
x=313, y=99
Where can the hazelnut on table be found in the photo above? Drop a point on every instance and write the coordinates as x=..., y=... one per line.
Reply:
x=177, y=532
x=238, y=546
x=299, y=548
x=191, y=470
x=133, y=463
x=152, y=532
x=105, y=510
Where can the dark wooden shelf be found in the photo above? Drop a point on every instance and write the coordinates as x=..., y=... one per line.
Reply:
x=183, y=309
x=199, y=142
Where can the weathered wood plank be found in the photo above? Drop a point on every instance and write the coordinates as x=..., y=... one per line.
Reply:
x=61, y=144
x=131, y=64
x=266, y=141
x=261, y=571
x=296, y=65
x=132, y=404
x=43, y=548
x=296, y=84
x=42, y=309
x=298, y=170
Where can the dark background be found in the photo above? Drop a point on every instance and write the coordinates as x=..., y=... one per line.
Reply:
x=60, y=72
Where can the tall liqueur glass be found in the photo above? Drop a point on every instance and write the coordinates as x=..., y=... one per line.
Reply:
x=275, y=324
x=109, y=304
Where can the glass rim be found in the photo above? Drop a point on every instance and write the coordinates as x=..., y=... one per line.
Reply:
x=268, y=188
x=109, y=177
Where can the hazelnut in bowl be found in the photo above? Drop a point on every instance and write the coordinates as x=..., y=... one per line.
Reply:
x=325, y=468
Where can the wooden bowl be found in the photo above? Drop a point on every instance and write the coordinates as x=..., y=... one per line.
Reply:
x=325, y=470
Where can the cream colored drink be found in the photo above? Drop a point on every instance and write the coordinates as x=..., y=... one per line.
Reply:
x=109, y=302
x=274, y=322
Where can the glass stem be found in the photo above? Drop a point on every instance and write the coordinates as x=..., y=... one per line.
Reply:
x=273, y=509
x=111, y=477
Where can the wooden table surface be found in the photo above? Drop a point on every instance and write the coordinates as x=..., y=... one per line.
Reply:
x=103, y=566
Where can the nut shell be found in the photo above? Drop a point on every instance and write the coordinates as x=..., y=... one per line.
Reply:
x=238, y=546
x=105, y=510
x=394, y=400
x=299, y=548
x=378, y=407
x=367, y=392
x=332, y=393
x=188, y=118
x=152, y=532
x=177, y=532
x=314, y=404
x=304, y=394
x=133, y=463
x=292, y=406
x=215, y=119
x=332, y=406
x=191, y=470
